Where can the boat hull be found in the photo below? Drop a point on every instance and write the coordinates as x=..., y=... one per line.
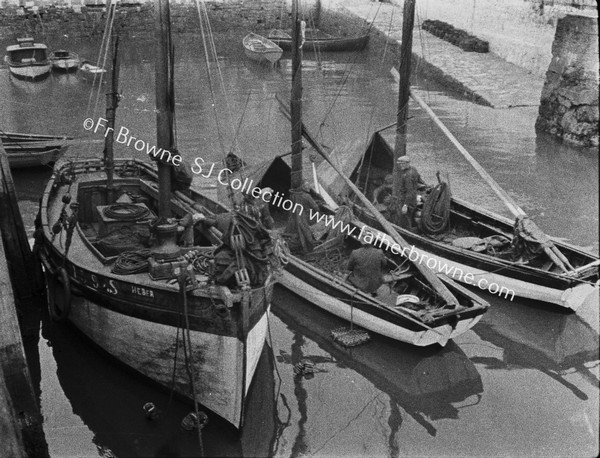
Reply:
x=66, y=65
x=336, y=298
x=17, y=158
x=142, y=322
x=521, y=283
x=325, y=44
x=149, y=348
x=263, y=57
x=145, y=340
x=261, y=49
x=29, y=72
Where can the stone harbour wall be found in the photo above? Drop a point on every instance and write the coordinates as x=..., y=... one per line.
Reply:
x=137, y=19
x=519, y=31
x=569, y=103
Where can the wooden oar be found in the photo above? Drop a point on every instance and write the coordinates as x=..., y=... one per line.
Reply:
x=436, y=283
x=551, y=250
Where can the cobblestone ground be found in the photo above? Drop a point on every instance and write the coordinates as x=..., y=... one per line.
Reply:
x=489, y=79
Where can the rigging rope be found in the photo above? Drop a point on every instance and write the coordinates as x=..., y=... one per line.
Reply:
x=131, y=262
x=436, y=210
x=125, y=212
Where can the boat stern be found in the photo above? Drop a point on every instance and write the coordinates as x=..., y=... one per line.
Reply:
x=573, y=298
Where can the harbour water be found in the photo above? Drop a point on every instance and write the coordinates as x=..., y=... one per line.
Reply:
x=524, y=381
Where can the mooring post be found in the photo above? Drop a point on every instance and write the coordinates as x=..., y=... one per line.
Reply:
x=16, y=381
x=21, y=418
x=25, y=271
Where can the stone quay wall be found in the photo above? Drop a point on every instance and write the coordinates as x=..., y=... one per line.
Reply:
x=519, y=31
x=78, y=21
x=569, y=104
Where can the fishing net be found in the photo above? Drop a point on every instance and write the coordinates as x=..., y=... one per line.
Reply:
x=350, y=337
x=329, y=260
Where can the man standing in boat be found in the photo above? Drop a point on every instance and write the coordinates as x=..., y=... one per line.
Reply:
x=409, y=185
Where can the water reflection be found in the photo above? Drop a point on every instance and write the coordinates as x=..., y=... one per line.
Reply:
x=109, y=399
x=428, y=384
x=553, y=342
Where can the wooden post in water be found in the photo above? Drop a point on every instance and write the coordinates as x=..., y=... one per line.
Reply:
x=19, y=411
x=25, y=272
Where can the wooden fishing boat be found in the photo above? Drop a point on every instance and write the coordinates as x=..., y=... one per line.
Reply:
x=33, y=150
x=556, y=272
x=320, y=43
x=190, y=318
x=411, y=306
x=537, y=278
x=28, y=60
x=64, y=61
x=261, y=49
x=414, y=306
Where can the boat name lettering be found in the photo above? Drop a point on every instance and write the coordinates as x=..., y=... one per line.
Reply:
x=94, y=281
x=142, y=291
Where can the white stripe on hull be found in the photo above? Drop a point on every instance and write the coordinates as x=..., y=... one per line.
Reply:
x=440, y=335
x=32, y=72
x=572, y=298
x=149, y=348
x=66, y=64
x=254, y=346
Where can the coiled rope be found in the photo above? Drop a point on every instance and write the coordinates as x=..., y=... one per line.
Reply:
x=126, y=212
x=131, y=262
x=436, y=210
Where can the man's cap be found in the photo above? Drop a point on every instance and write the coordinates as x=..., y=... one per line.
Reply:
x=403, y=159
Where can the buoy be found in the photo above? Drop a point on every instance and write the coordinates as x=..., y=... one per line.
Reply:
x=151, y=412
x=59, y=295
x=191, y=421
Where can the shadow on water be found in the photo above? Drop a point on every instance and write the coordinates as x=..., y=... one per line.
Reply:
x=532, y=335
x=428, y=384
x=109, y=399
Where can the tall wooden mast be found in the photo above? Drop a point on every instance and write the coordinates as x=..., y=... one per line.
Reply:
x=408, y=20
x=296, y=99
x=112, y=101
x=164, y=103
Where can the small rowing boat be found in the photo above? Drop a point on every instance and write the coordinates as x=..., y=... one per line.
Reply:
x=261, y=49
x=32, y=150
x=64, y=61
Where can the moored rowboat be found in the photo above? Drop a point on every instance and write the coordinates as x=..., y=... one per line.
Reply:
x=32, y=150
x=65, y=61
x=261, y=49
